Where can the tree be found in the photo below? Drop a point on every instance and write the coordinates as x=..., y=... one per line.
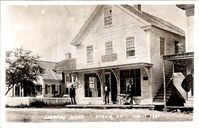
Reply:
x=21, y=66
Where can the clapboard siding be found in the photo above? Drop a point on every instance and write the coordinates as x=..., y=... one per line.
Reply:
x=123, y=26
x=156, y=60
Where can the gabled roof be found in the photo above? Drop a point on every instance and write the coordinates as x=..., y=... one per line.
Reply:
x=49, y=73
x=155, y=21
x=66, y=65
x=152, y=20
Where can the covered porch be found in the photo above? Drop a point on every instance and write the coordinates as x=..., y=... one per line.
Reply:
x=182, y=78
x=90, y=83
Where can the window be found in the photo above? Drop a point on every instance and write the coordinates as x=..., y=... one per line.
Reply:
x=92, y=85
x=67, y=90
x=89, y=53
x=107, y=16
x=134, y=75
x=177, y=47
x=48, y=89
x=130, y=46
x=53, y=88
x=68, y=78
x=38, y=89
x=109, y=48
x=17, y=91
x=56, y=89
x=162, y=46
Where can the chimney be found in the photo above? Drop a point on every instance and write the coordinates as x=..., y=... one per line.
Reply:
x=138, y=7
x=68, y=55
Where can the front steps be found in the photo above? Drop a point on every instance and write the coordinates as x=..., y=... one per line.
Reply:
x=160, y=94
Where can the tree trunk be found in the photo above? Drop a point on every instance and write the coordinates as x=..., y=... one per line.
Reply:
x=9, y=89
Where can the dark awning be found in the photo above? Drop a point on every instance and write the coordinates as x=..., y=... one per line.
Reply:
x=180, y=56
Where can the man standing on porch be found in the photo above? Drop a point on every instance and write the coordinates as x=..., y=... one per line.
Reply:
x=106, y=93
x=130, y=91
x=72, y=94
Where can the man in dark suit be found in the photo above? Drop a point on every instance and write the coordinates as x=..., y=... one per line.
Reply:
x=72, y=94
x=130, y=91
x=106, y=93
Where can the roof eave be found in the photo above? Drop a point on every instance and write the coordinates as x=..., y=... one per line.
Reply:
x=177, y=33
x=76, y=41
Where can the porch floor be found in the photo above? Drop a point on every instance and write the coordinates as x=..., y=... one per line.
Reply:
x=110, y=106
x=152, y=106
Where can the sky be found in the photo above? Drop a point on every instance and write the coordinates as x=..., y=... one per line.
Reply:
x=48, y=30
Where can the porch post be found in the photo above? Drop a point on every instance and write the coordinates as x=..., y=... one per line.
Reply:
x=150, y=83
x=13, y=91
x=100, y=74
x=116, y=73
x=118, y=82
x=43, y=90
x=149, y=74
x=164, y=83
x=102, y=84
x=21, y=91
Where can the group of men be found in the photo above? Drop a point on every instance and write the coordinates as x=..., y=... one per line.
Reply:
x=130, y=90
x=106, y=93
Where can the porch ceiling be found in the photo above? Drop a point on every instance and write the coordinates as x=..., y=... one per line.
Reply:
x=182, y=56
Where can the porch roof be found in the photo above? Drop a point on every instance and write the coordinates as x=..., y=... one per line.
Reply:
x=180, y=56
x=148, y=65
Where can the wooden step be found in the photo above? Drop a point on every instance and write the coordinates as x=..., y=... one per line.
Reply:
x=161, y=97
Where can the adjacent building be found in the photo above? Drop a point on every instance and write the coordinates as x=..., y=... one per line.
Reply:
x=48, y=84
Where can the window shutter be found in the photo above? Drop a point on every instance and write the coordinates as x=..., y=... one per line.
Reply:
x=46, y=91
x=63, y=77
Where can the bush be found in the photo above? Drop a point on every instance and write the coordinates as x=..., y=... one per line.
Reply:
x=37, y=104
x=17, y=106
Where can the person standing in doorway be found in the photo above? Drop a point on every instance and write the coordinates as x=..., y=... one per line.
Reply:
x=106, y=93
x=72, y=94
x=130, y=91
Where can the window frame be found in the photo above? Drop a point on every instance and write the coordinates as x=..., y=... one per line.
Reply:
x=164, y=46
x=96, y=86
x=48, y=89
x=108, y=48
x=57, y=88
x=108, y=17
x=89, y=53
x=130, y=48
x=133, y=74
x=177, y=46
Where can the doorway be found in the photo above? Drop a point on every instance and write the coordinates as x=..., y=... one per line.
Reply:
x=110, y=80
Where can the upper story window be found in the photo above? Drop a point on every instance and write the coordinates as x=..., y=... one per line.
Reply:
x=108, y=48
x=130, y=46
x=177, y=47
x=89, y=53
x=162, y=46
x=107, y=16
